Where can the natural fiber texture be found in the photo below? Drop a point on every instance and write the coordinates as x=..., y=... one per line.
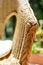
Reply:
x=26, y=27
x=9, y=61
x=26, y=51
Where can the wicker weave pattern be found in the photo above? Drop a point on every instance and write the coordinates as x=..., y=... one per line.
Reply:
x=26, y=51
x=26, y=27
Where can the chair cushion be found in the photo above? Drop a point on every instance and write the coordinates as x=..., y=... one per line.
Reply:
x=5, y=47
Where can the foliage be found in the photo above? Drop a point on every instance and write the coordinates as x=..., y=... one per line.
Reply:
x=35, y=50
x=36, y=44
x=10, y=28
x=39, y=31
x=41, y=4
x=37, y=6
x=34, y=47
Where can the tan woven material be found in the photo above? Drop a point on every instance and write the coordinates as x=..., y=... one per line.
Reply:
x=26, y=51
x=25, y=30
x=10, y=60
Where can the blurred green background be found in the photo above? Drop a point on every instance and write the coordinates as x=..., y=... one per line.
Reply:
x=37, y=6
